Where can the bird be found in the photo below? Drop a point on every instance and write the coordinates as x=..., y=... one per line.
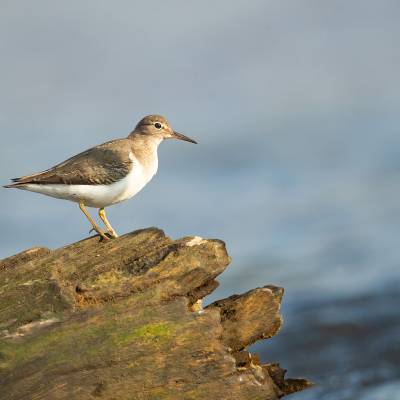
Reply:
x=106, y=174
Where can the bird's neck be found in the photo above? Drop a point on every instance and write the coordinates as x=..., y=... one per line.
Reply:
x=144, y=147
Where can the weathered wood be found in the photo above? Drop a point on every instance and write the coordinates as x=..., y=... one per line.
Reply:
x=121, y=320
x=249, y=317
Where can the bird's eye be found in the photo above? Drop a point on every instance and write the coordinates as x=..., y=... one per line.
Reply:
x=158, y=125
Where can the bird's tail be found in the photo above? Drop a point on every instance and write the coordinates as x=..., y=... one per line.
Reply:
x=16, y=183
x=21, y=181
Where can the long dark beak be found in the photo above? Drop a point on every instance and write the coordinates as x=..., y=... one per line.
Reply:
x=177, y=135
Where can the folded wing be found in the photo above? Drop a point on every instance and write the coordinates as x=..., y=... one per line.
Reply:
x=103, y=164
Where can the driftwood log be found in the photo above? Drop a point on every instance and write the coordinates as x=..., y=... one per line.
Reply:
x=123, y=320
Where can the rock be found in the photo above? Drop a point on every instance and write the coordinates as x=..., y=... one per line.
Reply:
x=122, y=319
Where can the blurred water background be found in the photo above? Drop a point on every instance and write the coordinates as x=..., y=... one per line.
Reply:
x=295, y=106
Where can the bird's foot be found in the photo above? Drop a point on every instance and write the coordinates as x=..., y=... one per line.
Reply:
x=112, y=233
x=103, y=235
x=109, y=234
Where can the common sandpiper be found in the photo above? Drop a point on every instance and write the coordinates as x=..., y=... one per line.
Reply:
x=106, y=174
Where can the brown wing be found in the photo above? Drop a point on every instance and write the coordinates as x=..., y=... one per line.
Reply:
x=103, y=164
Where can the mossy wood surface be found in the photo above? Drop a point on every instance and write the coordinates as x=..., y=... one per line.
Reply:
x=121, y=320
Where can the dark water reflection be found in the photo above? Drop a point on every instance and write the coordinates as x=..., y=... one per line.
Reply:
x=349, y=347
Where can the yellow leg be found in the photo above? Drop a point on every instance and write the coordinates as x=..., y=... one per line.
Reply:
x=94, y=225
x=102, y=215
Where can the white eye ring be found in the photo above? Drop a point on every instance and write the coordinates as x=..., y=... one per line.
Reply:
x=158, y=125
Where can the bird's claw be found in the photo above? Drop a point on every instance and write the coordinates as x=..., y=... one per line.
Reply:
x=103, y=235
x=112, y=234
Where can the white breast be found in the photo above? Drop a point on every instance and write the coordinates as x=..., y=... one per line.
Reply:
x=101, y=195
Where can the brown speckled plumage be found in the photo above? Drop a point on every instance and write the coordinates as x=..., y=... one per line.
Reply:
x=103, y=164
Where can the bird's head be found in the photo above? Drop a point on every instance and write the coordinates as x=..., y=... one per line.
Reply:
x=158, y=127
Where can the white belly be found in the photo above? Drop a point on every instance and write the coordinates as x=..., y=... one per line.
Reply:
x=99, y=195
